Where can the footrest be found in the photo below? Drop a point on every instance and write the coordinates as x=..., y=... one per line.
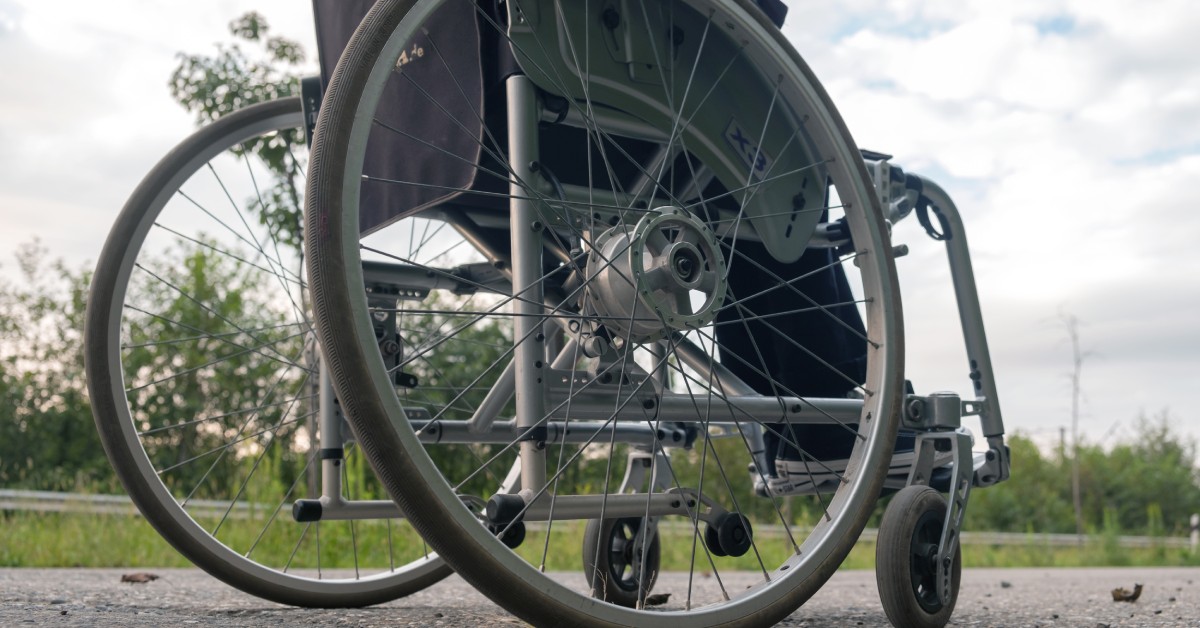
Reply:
x=808, y=477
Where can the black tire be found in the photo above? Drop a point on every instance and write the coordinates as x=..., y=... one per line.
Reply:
x=911, y=529
x=615, y=571
x=131, y=250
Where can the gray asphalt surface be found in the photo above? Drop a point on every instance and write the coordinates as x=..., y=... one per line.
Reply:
x=989, y=597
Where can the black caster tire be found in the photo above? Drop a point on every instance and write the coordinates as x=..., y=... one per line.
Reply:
x=514, y=534
x=730, y=535
x=616, y=570
x=904, y=560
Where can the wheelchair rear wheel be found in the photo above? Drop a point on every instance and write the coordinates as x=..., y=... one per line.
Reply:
x=202, y=369
x=650, y=180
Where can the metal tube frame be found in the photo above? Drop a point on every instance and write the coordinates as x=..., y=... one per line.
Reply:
x=996, y=467
x=332, y=504
x=526, y=225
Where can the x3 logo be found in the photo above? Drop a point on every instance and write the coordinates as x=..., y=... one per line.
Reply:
x=757, y=161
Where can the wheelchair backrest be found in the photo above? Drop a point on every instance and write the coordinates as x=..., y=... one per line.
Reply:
x=413, y=142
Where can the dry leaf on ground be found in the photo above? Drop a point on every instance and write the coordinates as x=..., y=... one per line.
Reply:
x=139, y=578
x=1125, y=595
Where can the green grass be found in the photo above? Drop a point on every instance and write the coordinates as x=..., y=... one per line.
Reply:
x=104, y=540
x=78, y=540
x=94, y=540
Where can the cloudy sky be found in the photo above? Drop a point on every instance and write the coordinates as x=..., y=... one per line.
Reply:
x=1067, y=130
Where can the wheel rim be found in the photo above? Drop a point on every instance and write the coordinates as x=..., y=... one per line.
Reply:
x=625, y=563
x=922, y=564
x=184, y=327
x=843, y=513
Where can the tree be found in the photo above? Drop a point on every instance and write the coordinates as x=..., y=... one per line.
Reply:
x=46, y=435
x=213, y=86
x=1149, y=481
x=1036, y=499
x=209, y=367
x=1147, y=484
x=1077, y=363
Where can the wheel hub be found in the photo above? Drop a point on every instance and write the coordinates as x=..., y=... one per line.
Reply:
x=664, y=274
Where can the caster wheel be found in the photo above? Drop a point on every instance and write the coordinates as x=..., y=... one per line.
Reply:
x=731, y=535
x=614, y=564
x=905, y=560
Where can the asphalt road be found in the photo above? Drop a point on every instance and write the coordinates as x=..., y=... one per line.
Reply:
x=989, y=597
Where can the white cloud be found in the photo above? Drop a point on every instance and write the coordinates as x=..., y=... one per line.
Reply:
x=93, y=113
x=1066, y=131
x=1111, y=88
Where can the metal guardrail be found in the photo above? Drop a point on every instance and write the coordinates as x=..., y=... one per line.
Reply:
x=49, y=501
x=994, y=538
x=52, y=501
x=1057, y=540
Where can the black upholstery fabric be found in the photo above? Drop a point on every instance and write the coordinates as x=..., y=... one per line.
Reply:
x=796, y=349
x=775, y=9
x=415, y=141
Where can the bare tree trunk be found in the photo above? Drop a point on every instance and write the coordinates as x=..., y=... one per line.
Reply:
x=1073, y=331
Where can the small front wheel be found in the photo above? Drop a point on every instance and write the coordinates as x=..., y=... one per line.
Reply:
x=616, y=560
x=906, y=560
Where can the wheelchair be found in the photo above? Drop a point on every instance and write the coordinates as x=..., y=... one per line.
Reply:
x=635, y=203
x=595, y=283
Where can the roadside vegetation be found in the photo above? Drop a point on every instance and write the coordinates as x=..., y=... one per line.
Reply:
x=90, y=540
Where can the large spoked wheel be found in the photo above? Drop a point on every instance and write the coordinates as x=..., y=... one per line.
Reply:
x=654, y=214
x=905, y=560
x=620, y=565
x=202, y=370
